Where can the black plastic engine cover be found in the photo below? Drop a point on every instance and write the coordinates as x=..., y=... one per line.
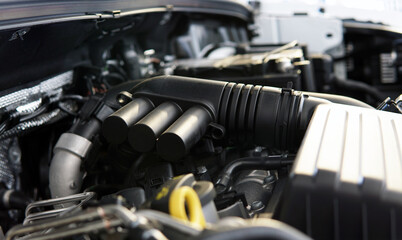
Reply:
x=346, y=182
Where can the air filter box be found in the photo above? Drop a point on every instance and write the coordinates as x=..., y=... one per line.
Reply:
x=346, y=182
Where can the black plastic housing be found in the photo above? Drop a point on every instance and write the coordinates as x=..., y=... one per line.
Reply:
x=346, y=182
x=265, y=116
x=178, y=139
x=142, y=136
x=115, y=127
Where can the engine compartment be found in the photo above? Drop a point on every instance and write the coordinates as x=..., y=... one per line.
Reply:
x=172, y=125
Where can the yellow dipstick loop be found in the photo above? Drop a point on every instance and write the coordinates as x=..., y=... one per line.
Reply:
x=177, y=207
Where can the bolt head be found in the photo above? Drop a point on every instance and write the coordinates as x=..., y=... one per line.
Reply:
x=73, y=185
x=269, y=179
x=257, y=205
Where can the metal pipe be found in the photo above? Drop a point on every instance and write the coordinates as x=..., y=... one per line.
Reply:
x=126, y=218
x=65, y=174
x=64, y=201
x=91, y=227
x=169, y=222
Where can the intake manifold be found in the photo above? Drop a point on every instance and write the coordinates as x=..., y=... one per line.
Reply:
x=266, y=116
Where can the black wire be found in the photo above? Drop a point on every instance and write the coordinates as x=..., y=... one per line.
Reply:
x=90, y=86
x=3, y=126
x=119, y=70
x=36, y=113
x=65, y=109
x=75, y=97
x=69, y=97
x=117, y=76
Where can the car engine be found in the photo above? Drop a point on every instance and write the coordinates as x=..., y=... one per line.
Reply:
x=163, y=120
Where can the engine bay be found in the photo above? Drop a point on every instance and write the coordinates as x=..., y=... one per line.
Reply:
x=173, y=125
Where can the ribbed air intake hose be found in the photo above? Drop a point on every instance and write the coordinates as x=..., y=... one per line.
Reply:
x=267, y=116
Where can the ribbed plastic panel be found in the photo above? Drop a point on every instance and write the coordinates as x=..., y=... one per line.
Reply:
x=346, y=182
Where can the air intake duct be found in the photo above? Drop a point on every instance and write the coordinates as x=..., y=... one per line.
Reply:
x=142, y=136
x=178, y=139
x=115, y=127
x=265, y=116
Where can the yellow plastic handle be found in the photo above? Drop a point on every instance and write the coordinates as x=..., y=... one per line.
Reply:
x=177, y=207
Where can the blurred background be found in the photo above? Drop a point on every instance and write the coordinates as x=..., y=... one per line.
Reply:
x=385, y=11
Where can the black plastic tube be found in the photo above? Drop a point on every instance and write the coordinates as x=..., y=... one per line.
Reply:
x=260, y=163
x=360, y=87
x=142, y=135
x=266, y=116
x=178, y=139
x=115, y=127
x=340, y=99
x=275, y=231
x=12, y=199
